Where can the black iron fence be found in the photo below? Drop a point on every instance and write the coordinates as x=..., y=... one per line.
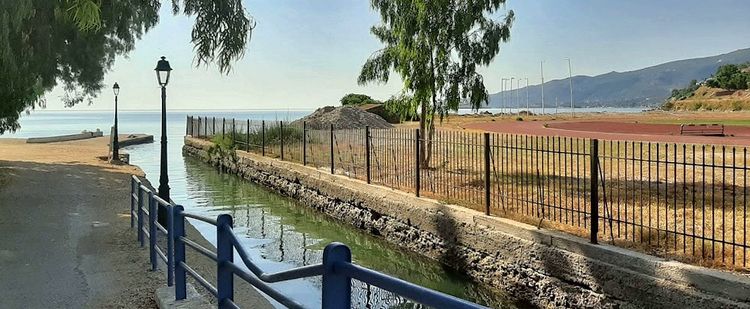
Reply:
x=682, y=201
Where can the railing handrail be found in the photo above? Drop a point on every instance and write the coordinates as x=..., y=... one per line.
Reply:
x=337, y=269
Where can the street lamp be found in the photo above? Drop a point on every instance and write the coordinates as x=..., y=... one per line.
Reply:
x=163, y=71
x=115, y=137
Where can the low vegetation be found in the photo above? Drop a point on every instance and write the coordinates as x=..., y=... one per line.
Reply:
x=724, y=91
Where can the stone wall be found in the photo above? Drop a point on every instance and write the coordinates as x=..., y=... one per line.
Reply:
x=544, y=268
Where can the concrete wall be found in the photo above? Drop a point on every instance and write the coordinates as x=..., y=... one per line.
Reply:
x=545, y=268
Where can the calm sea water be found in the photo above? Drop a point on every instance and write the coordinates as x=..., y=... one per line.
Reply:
x=278, y=233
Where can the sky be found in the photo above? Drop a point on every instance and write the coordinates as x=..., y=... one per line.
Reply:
x=305, y=54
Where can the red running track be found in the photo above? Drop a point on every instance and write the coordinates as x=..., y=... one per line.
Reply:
x=735, y=135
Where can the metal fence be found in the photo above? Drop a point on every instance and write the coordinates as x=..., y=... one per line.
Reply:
x=682, y=201
x=336, y=269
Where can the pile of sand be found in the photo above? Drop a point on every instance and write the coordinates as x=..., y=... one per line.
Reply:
x=343, y=117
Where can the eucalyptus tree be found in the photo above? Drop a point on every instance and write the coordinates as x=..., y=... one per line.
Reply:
x=73, y=43
x=436, y=47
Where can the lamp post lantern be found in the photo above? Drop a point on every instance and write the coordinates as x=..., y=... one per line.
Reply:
x=115, y=134
x=163, y=71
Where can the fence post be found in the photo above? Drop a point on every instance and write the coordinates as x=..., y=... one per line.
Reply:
x=263, y=137
x=187, y=125
x=487, y=186
x=247, y=136
x=224, y=256
x=337, y=290
x=333, y=171
x=140, y=217
x=205, y=126
x=223, y=127
x=152, y=231
x=233, y=131
x=180, y=290
x=594, y=190
x=281, y=138
x=367, y=153
x=417, y=163
x=213, y=126
x=304, y=143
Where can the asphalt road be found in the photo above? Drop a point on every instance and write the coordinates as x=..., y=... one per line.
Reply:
x=66, y=242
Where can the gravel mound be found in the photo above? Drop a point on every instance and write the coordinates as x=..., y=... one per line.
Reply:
x=343, y=117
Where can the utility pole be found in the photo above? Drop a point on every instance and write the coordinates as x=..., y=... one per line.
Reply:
x=502, y=94
x=570, y=78
x=542, y=66
x=518, y=94
x=527, y=95
x=511, y=94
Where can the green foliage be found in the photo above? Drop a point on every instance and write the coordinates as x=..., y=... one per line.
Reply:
x=292, y=134
x=354, y=99
x=223, y=147
x=403, y=106
x=436, y=47
x=684, y=93
x=73, y=43
x=731, y=77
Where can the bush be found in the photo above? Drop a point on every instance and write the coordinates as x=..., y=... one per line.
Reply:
x=354, y=99
x=292, y=134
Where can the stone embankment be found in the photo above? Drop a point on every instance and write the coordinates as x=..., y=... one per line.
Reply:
x=544, y=268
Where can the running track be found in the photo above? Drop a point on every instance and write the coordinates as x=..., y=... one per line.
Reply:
x=736, y=135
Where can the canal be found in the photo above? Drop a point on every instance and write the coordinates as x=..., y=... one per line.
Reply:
x=280, y=233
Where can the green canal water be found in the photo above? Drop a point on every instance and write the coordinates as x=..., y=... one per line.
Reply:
x=285, y=234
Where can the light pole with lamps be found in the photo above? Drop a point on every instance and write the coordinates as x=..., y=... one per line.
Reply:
x=163, y=71
x=115, y=134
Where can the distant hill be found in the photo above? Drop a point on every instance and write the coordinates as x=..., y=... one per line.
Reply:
x=644, y=87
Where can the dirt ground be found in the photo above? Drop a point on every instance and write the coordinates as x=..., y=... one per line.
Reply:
x=66, y=239
x=654, y=126
x=65, y=236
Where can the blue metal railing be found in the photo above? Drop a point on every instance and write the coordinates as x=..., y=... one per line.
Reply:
x=337, y=269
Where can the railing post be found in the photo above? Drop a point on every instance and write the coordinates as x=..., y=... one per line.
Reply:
x=224, y=256
x=170, y=245
x=180, y=289
x=199, y=126
x=416, y=165
x=152, y=231
x=281, y=138
x=263, y=137
x=140, y=217
x=213, y=126
x=594, y=153
x=133, y=190
x=205, y=126
x=233, y=131
x=247, y=136
x=337, y=290
x=367, y=153
x=487, y=186
x=187, y=125
x=304, y=143
x=333, y=170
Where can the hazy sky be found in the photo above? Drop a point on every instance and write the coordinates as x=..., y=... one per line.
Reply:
x=308, y=53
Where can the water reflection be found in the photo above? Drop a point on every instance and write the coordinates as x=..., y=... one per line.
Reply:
x=280, y=234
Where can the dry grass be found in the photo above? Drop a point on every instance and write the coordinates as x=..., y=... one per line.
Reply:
x=688, y=204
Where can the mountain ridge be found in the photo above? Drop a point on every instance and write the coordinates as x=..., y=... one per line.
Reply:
x=648, y=86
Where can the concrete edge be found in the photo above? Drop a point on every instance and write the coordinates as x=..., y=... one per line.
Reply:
x=165, y=299
x=712, y=281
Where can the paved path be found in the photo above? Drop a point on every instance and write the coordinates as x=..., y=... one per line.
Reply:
x=66, y=240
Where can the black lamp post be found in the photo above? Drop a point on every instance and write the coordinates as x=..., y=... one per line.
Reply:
x=115, y=138
x=162, y=74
